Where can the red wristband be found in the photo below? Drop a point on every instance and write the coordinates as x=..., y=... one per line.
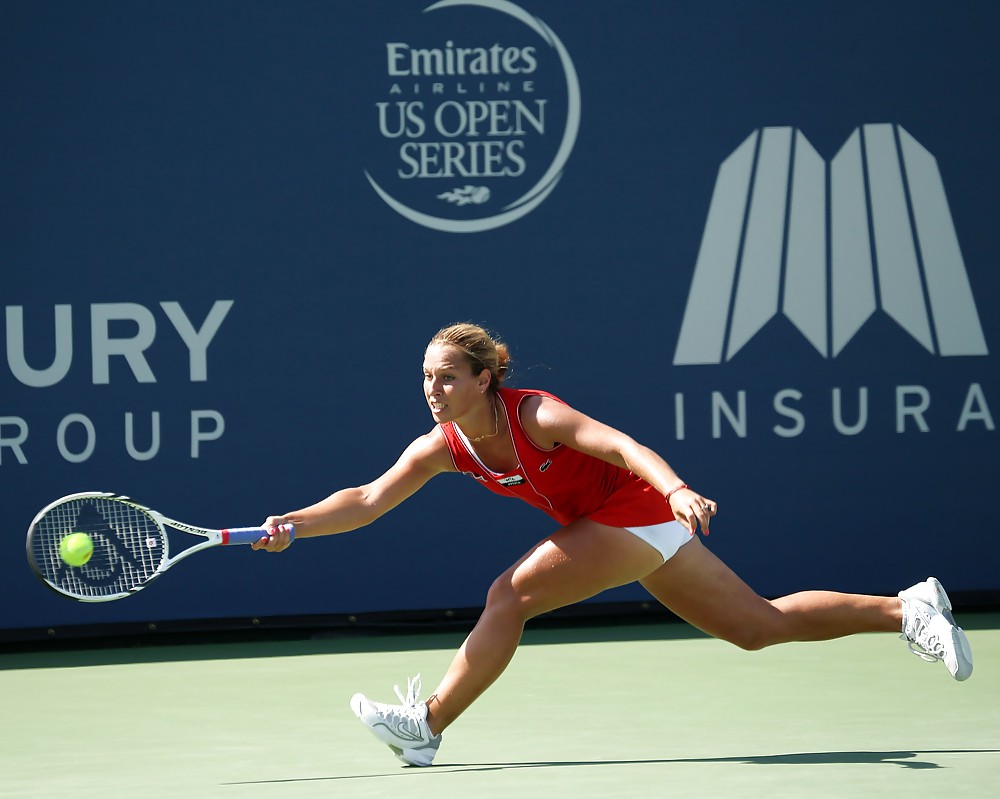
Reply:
x=673, y=491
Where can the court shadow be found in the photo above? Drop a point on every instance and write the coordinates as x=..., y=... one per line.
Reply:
x=902, y=758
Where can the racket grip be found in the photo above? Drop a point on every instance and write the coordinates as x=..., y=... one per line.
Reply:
x=247, y=535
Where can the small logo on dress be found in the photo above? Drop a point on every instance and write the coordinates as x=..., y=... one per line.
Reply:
x=515, y=480
x=545, y=466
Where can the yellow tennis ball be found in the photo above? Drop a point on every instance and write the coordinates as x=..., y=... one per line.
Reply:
x=76, y=549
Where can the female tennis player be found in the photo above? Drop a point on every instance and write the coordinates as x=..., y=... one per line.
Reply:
x=624, y=516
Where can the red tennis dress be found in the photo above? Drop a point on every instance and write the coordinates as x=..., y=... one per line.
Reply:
x=565, y=483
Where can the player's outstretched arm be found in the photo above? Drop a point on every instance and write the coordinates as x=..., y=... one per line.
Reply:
x=351, y=508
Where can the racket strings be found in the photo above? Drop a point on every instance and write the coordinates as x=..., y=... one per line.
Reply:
x=129, y=547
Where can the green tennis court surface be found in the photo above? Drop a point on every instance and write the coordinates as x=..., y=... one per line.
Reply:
x=633, y=710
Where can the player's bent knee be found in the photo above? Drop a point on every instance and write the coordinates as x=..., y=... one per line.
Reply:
x=754, y=637
x=747, y=640
x=505, y=598
x=751, y=641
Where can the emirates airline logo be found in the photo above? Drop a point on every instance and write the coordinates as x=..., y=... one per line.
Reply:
x=477, y=118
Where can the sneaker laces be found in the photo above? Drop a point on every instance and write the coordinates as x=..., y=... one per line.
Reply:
x=412, y=691
x=410, y=710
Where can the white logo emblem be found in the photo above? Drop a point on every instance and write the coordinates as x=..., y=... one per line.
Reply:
x=773, y=242
x=469, y=123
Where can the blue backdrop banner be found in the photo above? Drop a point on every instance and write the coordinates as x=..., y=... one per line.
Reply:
x=758, y=237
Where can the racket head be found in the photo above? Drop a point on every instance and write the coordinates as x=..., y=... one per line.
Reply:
x=130, y=546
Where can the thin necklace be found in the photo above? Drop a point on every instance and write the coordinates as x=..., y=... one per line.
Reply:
x=496, y=425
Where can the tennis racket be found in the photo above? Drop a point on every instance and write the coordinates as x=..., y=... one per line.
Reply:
x=131, y=546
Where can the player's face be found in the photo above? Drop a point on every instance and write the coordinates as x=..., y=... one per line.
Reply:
x=450, y=387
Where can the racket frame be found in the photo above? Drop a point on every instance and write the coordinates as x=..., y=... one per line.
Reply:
x=213, y=538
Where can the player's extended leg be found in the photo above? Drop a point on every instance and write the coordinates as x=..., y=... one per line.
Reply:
x=702, y=590
x=574, y=564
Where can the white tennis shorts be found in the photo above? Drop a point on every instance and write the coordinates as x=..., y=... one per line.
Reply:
x=666, y=538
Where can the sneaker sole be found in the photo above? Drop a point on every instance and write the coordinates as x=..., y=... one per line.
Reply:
x=412, y=758
x=963, y=651
x=959, y=640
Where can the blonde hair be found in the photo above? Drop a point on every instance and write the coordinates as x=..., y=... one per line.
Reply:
x=481, y=350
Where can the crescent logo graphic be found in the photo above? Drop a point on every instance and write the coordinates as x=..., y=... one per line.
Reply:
x=476, y=125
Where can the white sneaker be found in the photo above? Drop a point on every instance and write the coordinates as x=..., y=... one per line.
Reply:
x=403, y=728
x=930, y=629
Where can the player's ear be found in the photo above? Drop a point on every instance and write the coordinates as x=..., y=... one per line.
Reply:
x=483, y=380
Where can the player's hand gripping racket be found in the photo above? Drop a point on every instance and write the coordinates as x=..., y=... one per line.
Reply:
x=131, y=547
